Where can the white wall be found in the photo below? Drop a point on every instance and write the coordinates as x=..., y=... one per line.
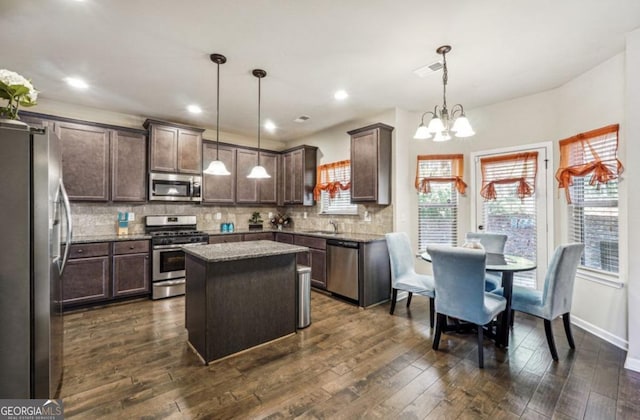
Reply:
x=632, y=174
x=67, y=110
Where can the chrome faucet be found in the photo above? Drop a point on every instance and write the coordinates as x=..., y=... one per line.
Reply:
x=335, y=225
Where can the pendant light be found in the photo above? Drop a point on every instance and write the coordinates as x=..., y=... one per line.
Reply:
x=443, y=123
x=216, y=167
x=259, y=172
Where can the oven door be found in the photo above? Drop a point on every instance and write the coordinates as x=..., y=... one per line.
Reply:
x=168, y=262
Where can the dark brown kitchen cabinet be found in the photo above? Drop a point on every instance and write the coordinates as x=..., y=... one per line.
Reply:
x=100, y=272
x=128, y=166
x=217, y=189
x=371, y=164
x=174, y=148
x=223, y=239
x=86, y=277
x=85, y=160
x=316, y=258
x=254, y=191
x=130, y=268
x=299, y=175
x=258, y=236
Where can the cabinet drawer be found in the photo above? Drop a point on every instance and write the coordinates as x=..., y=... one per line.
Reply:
x=130, y=247
x=221, y=239
x=286, y=238
x=261, y=236
x=89, y=250
x=310, y=241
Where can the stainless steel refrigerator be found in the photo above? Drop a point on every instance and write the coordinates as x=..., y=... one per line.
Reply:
x=35, y=221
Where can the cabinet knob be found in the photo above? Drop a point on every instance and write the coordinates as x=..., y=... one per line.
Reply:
x=80, y=251
x=131, y=247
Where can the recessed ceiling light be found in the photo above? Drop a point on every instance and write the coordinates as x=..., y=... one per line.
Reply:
x=194, y=109
x=269, y=126
x=76, y=83
x=341, y=95
x=302, y=118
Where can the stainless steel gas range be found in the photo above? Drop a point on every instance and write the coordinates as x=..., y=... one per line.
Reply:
x=169, y=234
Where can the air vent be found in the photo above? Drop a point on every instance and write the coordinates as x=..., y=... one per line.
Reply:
x=424, y=71
x=302, y=118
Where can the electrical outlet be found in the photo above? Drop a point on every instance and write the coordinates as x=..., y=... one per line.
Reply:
x=304, y=215
x=218, y=216
x=270, y=215
x=367, y=216
x=132, y=216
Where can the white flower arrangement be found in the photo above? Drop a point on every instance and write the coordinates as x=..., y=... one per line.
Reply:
x=18, y=91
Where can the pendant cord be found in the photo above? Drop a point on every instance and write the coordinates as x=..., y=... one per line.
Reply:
x=218, y=114
x=259, y=96
x=445, y=79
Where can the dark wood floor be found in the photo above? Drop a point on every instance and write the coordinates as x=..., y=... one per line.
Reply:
x=132, y=361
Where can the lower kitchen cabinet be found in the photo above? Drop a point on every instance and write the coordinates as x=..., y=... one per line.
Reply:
x=130, y=268
x=316, y=258
x=258, y=236
x=221, y=239
x=100, y=272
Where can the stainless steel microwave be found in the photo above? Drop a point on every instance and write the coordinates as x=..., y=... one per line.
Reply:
x=174, y=187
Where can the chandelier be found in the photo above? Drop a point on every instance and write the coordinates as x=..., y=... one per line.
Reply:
x=444, y=122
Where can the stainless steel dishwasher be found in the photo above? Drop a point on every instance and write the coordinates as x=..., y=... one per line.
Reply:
x=342, y=268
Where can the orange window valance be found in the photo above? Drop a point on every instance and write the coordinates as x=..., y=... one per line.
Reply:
x=440, y=168
x=594, y=152
x=516, y=168
x=332, y=177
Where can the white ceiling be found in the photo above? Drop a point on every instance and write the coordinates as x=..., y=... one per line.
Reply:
x=151, y=58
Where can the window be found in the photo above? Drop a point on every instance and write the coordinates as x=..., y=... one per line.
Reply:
x=588, y=172
x=438, y=181
x=333, y=188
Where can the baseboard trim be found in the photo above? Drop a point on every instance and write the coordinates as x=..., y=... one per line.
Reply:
x=599, y=332
x=632, y=364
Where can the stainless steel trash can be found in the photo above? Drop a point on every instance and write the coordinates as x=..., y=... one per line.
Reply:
x=304, y=296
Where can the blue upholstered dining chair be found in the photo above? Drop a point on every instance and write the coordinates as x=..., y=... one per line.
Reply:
x=492, y=243
x=403, y=273
x=458, y=274
x=555, y=298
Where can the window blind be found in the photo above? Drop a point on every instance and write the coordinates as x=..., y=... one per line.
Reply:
x=438, y=204
x=509, y=211
x=592, y=198
x=333, y=188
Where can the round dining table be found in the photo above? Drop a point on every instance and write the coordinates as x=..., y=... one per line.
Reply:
x=507, y=265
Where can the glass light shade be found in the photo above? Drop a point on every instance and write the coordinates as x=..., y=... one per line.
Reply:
x=216, y=167
x=462, y=127
x=436, y=125
x=422, y=132
x=258, y=172
x=442, y=136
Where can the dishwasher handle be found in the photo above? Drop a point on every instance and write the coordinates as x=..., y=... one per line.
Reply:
x=344, y=244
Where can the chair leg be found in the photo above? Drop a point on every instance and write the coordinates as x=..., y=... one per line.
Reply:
x=439, y=323
x=431, y=311
x=394, y=296
x=566, y=319
x=409, y=299
x=550, y=340
x=480, y=347
x=513, y=315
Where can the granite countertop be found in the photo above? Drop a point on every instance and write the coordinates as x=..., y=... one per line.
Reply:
x=241, y=250
x=345, y=236
x=108, y=238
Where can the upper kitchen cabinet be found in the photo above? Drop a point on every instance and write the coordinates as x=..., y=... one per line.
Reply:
x=85, y=160
x=218, y=189
x=128, y=166
x=299, y=175
x=174, y=148
x=252, y=191
x=371, y=164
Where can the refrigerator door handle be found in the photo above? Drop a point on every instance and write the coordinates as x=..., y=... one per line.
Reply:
x=67, y=211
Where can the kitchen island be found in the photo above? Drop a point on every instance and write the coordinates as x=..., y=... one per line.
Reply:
x=239, y=295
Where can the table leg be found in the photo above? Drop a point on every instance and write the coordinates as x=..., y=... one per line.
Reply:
x=505, y=319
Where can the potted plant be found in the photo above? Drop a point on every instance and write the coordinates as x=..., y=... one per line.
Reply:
x=17, y=91
x=255, y=223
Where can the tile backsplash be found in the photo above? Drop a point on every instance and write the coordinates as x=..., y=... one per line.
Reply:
x=101, y=218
